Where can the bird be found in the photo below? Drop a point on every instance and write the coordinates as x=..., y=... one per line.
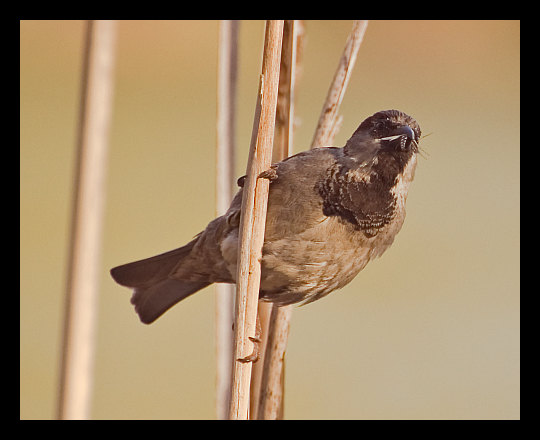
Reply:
x=330, y=211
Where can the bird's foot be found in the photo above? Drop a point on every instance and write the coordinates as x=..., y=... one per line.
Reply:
x=270, y=174
x=257, y=339
x=254, y=356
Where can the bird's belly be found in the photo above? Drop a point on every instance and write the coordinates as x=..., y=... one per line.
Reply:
x=316, y=262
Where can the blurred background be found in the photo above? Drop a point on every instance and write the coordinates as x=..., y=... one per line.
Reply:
x=429, y=331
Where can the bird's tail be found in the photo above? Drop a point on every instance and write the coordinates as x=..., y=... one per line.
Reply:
x=153, y=291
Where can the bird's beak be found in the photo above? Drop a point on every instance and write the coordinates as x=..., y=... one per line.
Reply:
x=399, y=133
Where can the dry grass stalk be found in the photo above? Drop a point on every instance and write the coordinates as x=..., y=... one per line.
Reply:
x=87, y=218
x=252, y=221
x=329, y=124
x=267, y=384
x=272, y=383
x=224, y=296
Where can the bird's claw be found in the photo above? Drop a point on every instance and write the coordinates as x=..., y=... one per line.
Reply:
x=254, y=356
x=270, y=174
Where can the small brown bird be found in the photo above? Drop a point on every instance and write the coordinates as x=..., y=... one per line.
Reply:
x=330, y=211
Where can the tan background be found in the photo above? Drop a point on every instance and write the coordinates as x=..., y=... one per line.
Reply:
x=431, y=330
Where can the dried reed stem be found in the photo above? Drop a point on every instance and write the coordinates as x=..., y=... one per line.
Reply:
x=252, y=221
x=87, y=216
x=267, y=390
x=329, y=123
x=224, y=296
x=272, y=383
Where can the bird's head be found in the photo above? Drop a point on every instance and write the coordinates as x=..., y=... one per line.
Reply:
x=390, y=136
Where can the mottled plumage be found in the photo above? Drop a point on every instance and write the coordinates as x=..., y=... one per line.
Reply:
x=330, y=211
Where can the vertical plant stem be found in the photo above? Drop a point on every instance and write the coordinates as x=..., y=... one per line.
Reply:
x=252, y=221
x=272, y=383
x=76, y=373
x=226, y=115
x=267, y=386
x=329, y=123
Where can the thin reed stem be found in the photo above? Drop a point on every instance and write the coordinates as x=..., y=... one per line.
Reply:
x=329, y=123
x=226, y=113
x=252, y=220
x=76, y=375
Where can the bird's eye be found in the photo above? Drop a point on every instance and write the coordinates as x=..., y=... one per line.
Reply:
x=379, y=127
